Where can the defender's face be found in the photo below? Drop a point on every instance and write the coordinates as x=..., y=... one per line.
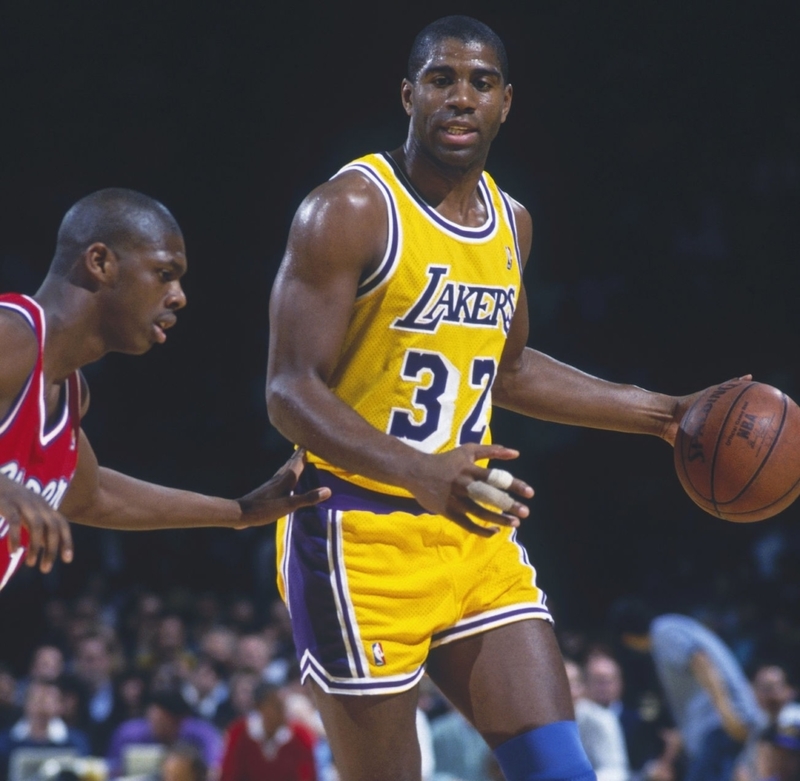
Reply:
x=147, y=295
x=458, y=102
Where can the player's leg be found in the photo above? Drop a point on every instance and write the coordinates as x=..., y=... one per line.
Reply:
x=510, y=683
x=372, y=737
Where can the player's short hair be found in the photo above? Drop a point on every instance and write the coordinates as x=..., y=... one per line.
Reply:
x=462, y=28
x=119, y=218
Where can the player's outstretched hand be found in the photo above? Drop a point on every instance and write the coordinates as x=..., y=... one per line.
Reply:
x=48, y=530
x=275, y=499
x=682, y=405
x=454, y=486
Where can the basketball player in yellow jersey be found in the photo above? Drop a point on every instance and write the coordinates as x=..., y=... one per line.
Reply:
x=398, y=318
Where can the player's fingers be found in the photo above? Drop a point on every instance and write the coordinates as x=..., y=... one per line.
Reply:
x=464, y=522
x=35, y=526
x=505, y=481
x=475, y=509
x=285, y=479
x=310, y=497
x=297, y=462
x=50, y=541
x=65, y=537
x=481, y=452
x=14, y=540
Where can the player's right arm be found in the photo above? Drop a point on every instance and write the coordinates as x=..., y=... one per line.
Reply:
x=339, y=234
x=48, y=530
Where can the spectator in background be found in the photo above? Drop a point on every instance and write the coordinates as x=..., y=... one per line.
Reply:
x=170, y=645
x=600, y=731
x=46, y=664
x=168, y=720
x=240, y=699
x=710, y=698
x=779, y=757
x=183, y=762
x=130, y=695
x=253, y=654
x=650, y=757
x=264, y=745
x=773, y=693
x=772, y=690
x=94, y=666
x=10, y=711
x=219, y=645
x=74, y=702
x=41, y=726
x=206, y=688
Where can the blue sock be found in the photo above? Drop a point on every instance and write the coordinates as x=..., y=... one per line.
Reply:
x=550, y=753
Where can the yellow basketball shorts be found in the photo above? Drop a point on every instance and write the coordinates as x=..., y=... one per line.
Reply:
x=372, y=582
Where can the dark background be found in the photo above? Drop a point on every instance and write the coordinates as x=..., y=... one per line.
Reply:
x=657, y=146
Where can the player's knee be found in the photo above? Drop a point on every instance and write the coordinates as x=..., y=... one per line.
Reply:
x=550, y=753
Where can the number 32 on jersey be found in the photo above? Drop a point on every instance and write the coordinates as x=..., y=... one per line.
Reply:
x=429, y=425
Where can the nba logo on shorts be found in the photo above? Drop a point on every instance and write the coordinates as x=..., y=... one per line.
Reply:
x=377, y=654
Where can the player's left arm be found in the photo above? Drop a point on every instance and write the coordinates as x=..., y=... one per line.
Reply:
x=534, y=384
x=101, y=497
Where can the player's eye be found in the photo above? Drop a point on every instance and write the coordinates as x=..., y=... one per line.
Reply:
x=441, y=81
x=165, y=274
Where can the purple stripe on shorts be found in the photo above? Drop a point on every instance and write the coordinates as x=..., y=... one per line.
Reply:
x=312, y=604
x=338, y=567
x=347, y=496
x=480, y=621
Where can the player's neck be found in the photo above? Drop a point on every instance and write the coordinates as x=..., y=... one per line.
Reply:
x=72, y=340
x=452, y=191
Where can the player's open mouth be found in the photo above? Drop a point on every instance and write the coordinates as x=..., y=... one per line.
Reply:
x=160, y=326
x=459, y=133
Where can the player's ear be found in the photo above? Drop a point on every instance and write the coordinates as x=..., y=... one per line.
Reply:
x=101, y=263
x=406, y=89
x=508, y=93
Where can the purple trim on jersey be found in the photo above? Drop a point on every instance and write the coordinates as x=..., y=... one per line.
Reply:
x=512, y=222
x=348, y=496
x=390, y=258
x=481, y=232
x=312, y=603
x=310, y=666
x=344, y=601
x=483, y=620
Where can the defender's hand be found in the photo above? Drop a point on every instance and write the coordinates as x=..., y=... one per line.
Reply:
x=453, y=485
x=275, y=499
x=48, y=530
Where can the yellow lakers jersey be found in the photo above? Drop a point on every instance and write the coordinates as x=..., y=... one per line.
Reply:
x=430, y=323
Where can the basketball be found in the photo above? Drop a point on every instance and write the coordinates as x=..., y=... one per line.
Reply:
x=737, y=452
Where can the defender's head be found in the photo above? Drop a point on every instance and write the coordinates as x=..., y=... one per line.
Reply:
x=127, y=250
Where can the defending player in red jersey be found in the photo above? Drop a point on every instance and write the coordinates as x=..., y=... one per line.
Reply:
x=113, y=285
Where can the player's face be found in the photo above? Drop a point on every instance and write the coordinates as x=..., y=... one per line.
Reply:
x=146, y=295
x=457, y=103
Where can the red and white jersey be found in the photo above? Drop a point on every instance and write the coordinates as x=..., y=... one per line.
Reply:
x=41, y=458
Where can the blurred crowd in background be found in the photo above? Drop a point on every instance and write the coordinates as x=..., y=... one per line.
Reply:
x=182, y=686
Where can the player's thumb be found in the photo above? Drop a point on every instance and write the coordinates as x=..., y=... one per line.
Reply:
x=309, y=498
